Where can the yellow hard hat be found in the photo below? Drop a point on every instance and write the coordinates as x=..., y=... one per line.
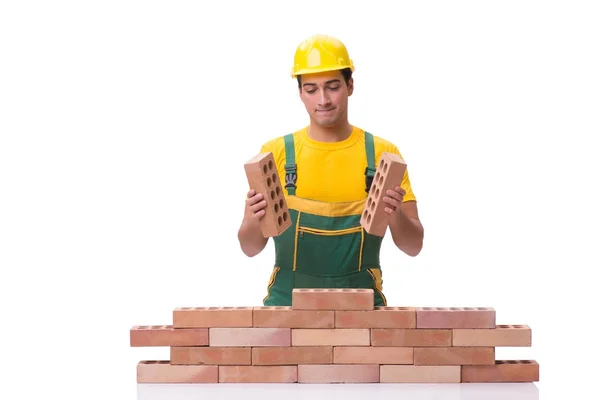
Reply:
x=320, y=53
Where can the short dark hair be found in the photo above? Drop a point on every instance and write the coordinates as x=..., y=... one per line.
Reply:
x=346, y=73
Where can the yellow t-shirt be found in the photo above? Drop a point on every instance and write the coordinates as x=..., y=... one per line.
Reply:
x=332, y=171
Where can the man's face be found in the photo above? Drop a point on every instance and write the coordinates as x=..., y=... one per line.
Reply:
x=325, y=96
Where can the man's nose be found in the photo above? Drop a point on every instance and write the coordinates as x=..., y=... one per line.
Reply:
x=324, y=100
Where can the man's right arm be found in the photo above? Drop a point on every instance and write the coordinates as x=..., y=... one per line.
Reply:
x=250, y=236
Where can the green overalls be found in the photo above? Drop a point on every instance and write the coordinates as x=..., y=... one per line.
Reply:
x=325, y=247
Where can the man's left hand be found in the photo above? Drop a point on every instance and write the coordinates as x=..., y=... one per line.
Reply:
x=394, y=200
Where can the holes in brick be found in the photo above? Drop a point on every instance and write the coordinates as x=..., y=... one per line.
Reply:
x=517, y=326
x=369, y=219
x=470, y=308
x=377, y=176
x=381, y=163
x=276, y=208
x=281, y=203
x=265, y=169
x=279, y=220
x=284, y=216
x=143, y=327
x=381, y=180
x=441, y=308
x=512, y=361
x=385, y=167
x=428, y=308
x=525, y=362
x=269, y=182
x=273, y=194
x=455, y=308
x=274, y=177
x=377, y=193
x=270, y=165
x=278, y=190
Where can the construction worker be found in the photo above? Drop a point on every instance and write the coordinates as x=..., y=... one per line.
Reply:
x=326, y=169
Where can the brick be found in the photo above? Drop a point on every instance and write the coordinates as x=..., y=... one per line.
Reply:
x=292, y=355
x=454, y=356
x=456, y=317
x=212, y=317
x=166, y=335
x=502, y=335
x=258, y=374
x=502, y=371
x=286, y=317
x=420, y=374
x=411, y=337
x=331, y=337
x=211, y=355
x=333, y=299
x=249, y=337
x=263, y=177
x=380, y=317
x=338, y=373
x=389, y=174
x=372, y=355
x=160, y=371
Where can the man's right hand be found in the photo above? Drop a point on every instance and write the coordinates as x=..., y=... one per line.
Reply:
x=250, y=236
x=255, y=205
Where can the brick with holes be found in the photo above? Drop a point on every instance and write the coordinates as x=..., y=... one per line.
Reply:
x=333, y=299
x=166, y=335
x=389, y=174
x=263, y=177
x=162, y=371
x=502, y=371
x=456, y=317
x=212, y=317
x=501, y=336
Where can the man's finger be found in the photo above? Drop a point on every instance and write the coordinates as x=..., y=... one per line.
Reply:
x=393, y=202
x=258, y=206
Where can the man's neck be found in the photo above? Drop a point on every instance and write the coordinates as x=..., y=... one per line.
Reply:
x=336, y=133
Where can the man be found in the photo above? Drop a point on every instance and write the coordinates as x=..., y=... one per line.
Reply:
x=326, y=169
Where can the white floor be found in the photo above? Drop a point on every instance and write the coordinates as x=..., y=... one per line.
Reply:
x=379, y=391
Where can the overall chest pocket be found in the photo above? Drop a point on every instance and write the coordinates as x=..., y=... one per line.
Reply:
x=329, y=251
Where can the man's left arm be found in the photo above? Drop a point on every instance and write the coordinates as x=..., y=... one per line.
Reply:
x=405, y=226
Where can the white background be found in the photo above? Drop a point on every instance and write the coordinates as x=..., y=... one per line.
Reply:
x=124, y=126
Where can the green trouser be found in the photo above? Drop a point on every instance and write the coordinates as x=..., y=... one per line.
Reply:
x=325, y=247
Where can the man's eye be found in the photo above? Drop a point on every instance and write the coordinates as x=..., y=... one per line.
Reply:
x=334, y=87
x=311, y=91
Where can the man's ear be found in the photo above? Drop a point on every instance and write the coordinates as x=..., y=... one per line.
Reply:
x=350, y=86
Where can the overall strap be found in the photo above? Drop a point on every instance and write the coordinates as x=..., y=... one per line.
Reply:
x=370, y=170
x=290, y=164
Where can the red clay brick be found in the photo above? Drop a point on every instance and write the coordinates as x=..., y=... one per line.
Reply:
x=258, y=374
x=333, y=299
x=380, y=317
x=456, y=317
x=389, y=174
x=211, y=355
x=331, y=337
x=454, y=356
x=263, y=177
x=292, y=355
x=249, y=337
x=286, y=317
x=338, y=373
x=166, y=335
x=420, y=374
x=212, y=317
x=502, y=371
x=411, y=337
x=503, y=335
x=163, y=372
x=372, y=355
